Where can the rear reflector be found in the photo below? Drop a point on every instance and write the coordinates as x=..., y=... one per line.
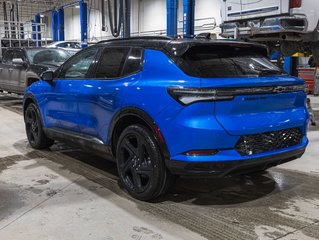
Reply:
x=201, y=152
x=295, y=3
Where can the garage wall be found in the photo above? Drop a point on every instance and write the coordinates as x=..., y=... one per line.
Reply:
x=47, y=20
x=72, y=23
x=148, y=18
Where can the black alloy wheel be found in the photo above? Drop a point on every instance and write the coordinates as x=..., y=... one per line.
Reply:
x=140, y=164
x=34, y=129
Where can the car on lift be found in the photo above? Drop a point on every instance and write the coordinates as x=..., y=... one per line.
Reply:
x=291, y=24
x=20, y=67
x=71, y=46
x=161, y=107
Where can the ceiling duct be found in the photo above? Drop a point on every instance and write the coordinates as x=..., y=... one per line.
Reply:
x=127, y=18
x=119, y=15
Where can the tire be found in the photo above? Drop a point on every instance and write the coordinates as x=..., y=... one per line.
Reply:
x=34, y=128
x=140, y=164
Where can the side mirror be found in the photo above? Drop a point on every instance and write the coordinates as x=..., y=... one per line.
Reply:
x=18, y=61
x=47, y=76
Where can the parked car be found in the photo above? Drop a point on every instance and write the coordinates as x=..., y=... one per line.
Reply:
x=292, y=23
x=71, y=46
x=161, y=107
x=20, y=67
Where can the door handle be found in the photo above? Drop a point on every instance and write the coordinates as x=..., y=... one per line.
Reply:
x=10, y=69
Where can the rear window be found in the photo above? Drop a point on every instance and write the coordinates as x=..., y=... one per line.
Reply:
x=47, y=56
x=226, y=61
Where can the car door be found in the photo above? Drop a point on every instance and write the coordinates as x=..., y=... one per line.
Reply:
x=61, y=106
x=19, y=67
x=6, y=64
x=102, y=96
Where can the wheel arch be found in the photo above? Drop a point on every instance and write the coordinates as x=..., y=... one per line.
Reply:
x=27, y=100
x=134, y=115
x=30, y=80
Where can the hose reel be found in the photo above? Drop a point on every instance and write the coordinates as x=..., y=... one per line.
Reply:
x=119, y=12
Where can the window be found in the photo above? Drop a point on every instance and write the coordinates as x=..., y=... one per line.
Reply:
x=133, y=63
x=62, y=45
x=79, y=66
x=111, y=62
x=8, y=56
x=48, y=56
x=18, y=54
x=212, y=61
x=75, y=45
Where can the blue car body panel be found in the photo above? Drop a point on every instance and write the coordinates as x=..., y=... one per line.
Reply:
x=89, y=106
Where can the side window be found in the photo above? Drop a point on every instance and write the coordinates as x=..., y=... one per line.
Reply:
x=61, y=45
x=76, y=46
x=134, y=62
x=19, y=55
x=78, y=66
x=111, y=62
x=8, y=56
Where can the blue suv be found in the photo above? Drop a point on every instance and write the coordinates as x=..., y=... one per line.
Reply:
x=162, y=107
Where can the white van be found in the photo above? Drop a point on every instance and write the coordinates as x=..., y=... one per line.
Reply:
x=292, y=23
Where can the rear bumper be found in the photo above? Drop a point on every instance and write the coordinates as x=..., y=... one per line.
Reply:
x=283, y=24
x=225, y=168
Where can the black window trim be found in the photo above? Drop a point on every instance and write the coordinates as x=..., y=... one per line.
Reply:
x=141, y=62
x=123, y=66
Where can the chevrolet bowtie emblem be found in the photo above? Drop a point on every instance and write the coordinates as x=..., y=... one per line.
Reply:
x=279, y=89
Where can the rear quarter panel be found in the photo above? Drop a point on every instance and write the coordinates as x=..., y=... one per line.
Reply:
x=150, y=92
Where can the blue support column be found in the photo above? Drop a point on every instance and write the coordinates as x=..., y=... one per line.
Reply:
x=188, y=18
x=54, y=26
x=60, y=24
x=84, y=23
x=172, y=7
x=36, y=29
x=288, y=65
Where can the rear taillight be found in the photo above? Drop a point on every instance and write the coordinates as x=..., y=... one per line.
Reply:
x=295, y=3
x=186, y=96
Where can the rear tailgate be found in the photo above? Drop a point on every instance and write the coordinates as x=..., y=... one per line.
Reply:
x=251, y=94
x=251, y=114
x=250, y=9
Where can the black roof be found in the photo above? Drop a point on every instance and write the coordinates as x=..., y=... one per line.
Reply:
x=177, y=47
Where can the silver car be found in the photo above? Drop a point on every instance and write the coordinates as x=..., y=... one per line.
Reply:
x=71, y=46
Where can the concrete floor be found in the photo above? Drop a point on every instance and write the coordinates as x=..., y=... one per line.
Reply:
x=63, y=193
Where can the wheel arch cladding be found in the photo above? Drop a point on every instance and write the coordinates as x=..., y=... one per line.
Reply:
x=31, y=80
x=130, y=116
x=27, y=101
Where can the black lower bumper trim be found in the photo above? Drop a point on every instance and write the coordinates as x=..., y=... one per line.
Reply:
x=225, y=168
